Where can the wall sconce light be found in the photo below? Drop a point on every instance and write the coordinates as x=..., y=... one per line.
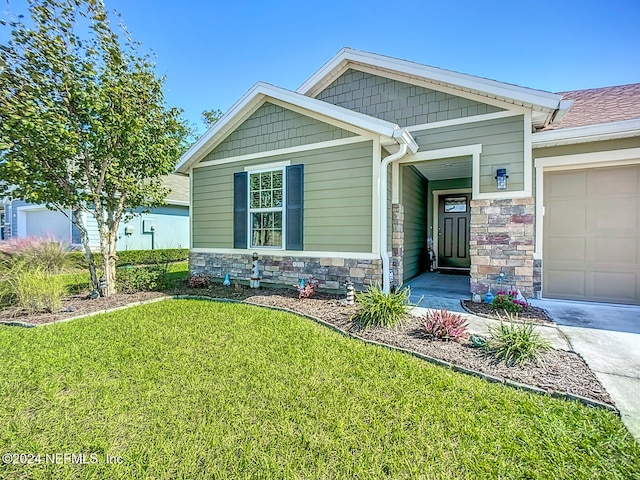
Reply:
x=501, y=178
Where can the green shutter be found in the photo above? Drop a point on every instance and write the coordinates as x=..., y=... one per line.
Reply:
x=295, y=200
x=240, y=210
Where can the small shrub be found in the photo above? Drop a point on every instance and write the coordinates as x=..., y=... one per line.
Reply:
x=46, y=253
x=444, y=325
x=199, y=280
x=140, y=279
x=307, y=289
x=37, y=290
x=137, y=257
x=516, y=343
x=508, y=302
x=375, y=308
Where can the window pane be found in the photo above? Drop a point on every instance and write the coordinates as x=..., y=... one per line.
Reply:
x=267, y=229
x=266, y=201
x=455, y=205
x=255, y=200
x=277, y=198
x=277, y=180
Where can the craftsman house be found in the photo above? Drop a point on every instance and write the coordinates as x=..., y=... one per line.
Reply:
x=373, y=161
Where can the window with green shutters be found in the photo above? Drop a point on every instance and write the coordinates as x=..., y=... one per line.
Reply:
x=268, y=208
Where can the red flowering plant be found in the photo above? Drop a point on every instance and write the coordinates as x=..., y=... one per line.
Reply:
x=510, y=301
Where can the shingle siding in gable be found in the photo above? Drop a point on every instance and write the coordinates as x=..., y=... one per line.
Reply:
x=272, y=127
x=398, y=102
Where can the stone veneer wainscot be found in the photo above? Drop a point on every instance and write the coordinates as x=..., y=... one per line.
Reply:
x=502, y=241
x=281, y=270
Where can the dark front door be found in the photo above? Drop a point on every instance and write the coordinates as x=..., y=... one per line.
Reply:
x=453, y=231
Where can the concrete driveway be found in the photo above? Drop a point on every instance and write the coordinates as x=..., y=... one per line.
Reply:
x=608, y=338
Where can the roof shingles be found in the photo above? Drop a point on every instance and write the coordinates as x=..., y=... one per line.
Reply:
x=600, y=105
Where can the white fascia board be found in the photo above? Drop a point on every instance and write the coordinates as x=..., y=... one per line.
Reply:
x=261, y=91
x=589, y=133
x=481, y=85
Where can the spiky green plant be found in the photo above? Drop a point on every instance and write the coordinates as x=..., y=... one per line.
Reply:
x=378, y=309
x=516, y=343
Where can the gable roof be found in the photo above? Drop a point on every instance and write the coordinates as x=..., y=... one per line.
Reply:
x=179, y=185
x=537, y=100
x=262, y=92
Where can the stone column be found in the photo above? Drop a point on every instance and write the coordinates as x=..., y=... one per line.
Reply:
x=502, y=244
x=397, y=242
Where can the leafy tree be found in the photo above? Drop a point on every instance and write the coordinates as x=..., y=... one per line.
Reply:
x=83, y=123
x=211, y=116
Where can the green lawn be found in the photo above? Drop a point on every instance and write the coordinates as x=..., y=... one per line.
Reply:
x=196, y=389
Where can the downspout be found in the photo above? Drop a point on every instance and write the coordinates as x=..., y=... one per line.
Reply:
x=386, y=267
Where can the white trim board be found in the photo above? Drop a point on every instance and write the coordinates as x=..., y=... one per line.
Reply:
x=440, y=87
x=588, y=133
x=289, y=253
x=262, y=92
x=348, y=57
x=474, y=151
x=285, y=151
x=463, y=120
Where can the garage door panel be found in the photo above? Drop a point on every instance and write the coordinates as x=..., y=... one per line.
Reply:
x=571, y=183
x=571, y=249
x=620, y=180
x=621, y=251
x=617, y=287
x=569, y=217
x=566, y=284
x=592, y=234
x=616, y=213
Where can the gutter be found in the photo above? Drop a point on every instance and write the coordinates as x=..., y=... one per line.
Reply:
x=407, y=145
x=587, y=133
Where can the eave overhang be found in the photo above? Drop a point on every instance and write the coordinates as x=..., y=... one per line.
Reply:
x=588, y=133
x=346, y=58
x=261, y=93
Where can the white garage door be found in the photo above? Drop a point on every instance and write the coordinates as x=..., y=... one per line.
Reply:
x=592, y=234
x=46, y=223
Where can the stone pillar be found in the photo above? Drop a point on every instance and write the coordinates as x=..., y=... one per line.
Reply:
x=502, y=244
x=397, y=242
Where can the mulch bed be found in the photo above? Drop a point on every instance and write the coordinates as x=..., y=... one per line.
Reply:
x=561, y=371
x=75, y=306
x=531, y=314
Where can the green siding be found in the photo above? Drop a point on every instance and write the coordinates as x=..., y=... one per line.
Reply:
x=337, y=199
x=397, y=101
x=587, y=147
x=502, y=147
x=414, y=199
x=272, y=127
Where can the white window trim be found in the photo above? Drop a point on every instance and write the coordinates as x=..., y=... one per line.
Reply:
x=280, y=166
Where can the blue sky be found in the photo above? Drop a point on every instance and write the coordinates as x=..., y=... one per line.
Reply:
x=212, y=52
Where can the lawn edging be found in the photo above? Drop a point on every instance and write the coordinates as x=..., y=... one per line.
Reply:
x=520, y=386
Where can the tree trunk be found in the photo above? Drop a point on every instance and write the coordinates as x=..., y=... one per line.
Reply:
x=108, y=250
x=88, y=254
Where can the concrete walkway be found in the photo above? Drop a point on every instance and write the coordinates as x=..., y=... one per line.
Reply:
x=606, y=335
x=608, y=338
